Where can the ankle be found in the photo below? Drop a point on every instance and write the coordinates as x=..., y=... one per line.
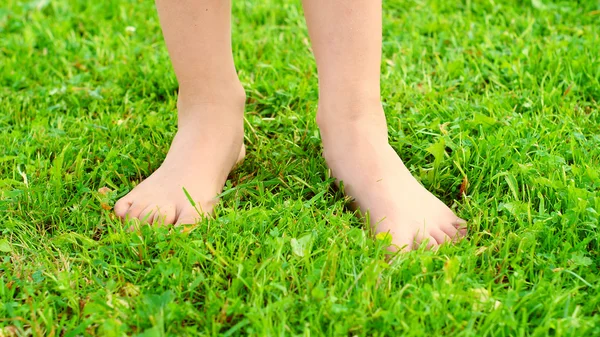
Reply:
x=347, y=104
x=218, y=109
x=352, y=120
x=219, y=92
x=348, y=97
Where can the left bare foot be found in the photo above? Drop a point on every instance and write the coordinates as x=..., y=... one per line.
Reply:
x=359, y=155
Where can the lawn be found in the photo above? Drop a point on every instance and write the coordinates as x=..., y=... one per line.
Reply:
x=494, y=106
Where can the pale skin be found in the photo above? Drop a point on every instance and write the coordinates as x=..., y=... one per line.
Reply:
x=346, y=39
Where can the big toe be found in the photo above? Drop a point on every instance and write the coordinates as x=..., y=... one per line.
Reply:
x=122, y=206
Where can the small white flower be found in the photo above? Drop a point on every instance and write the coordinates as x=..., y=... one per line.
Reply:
x=130, y=29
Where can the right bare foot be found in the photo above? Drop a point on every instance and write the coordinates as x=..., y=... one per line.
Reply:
x=208, y=144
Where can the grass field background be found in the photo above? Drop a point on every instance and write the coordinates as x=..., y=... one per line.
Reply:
x=494, y=106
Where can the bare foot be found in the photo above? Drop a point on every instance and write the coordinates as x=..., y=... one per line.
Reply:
x=208, y=144
x=358, y=153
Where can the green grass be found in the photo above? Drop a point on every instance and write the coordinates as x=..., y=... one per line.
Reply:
x=503, y=94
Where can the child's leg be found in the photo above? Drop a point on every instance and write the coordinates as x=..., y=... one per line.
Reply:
x=209, y=140
x=346, y=37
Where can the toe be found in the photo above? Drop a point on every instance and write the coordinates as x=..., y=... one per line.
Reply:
x=429, y=241
x=451, y=231
x=440, y=236
x=167, y=216
x=135, y=211
x=121, y=207
x=402, y=243
x=161, y=215
x=164, y=215
x=149, y=214
x=424, y=238
x=187, y=218
x=461, y=226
